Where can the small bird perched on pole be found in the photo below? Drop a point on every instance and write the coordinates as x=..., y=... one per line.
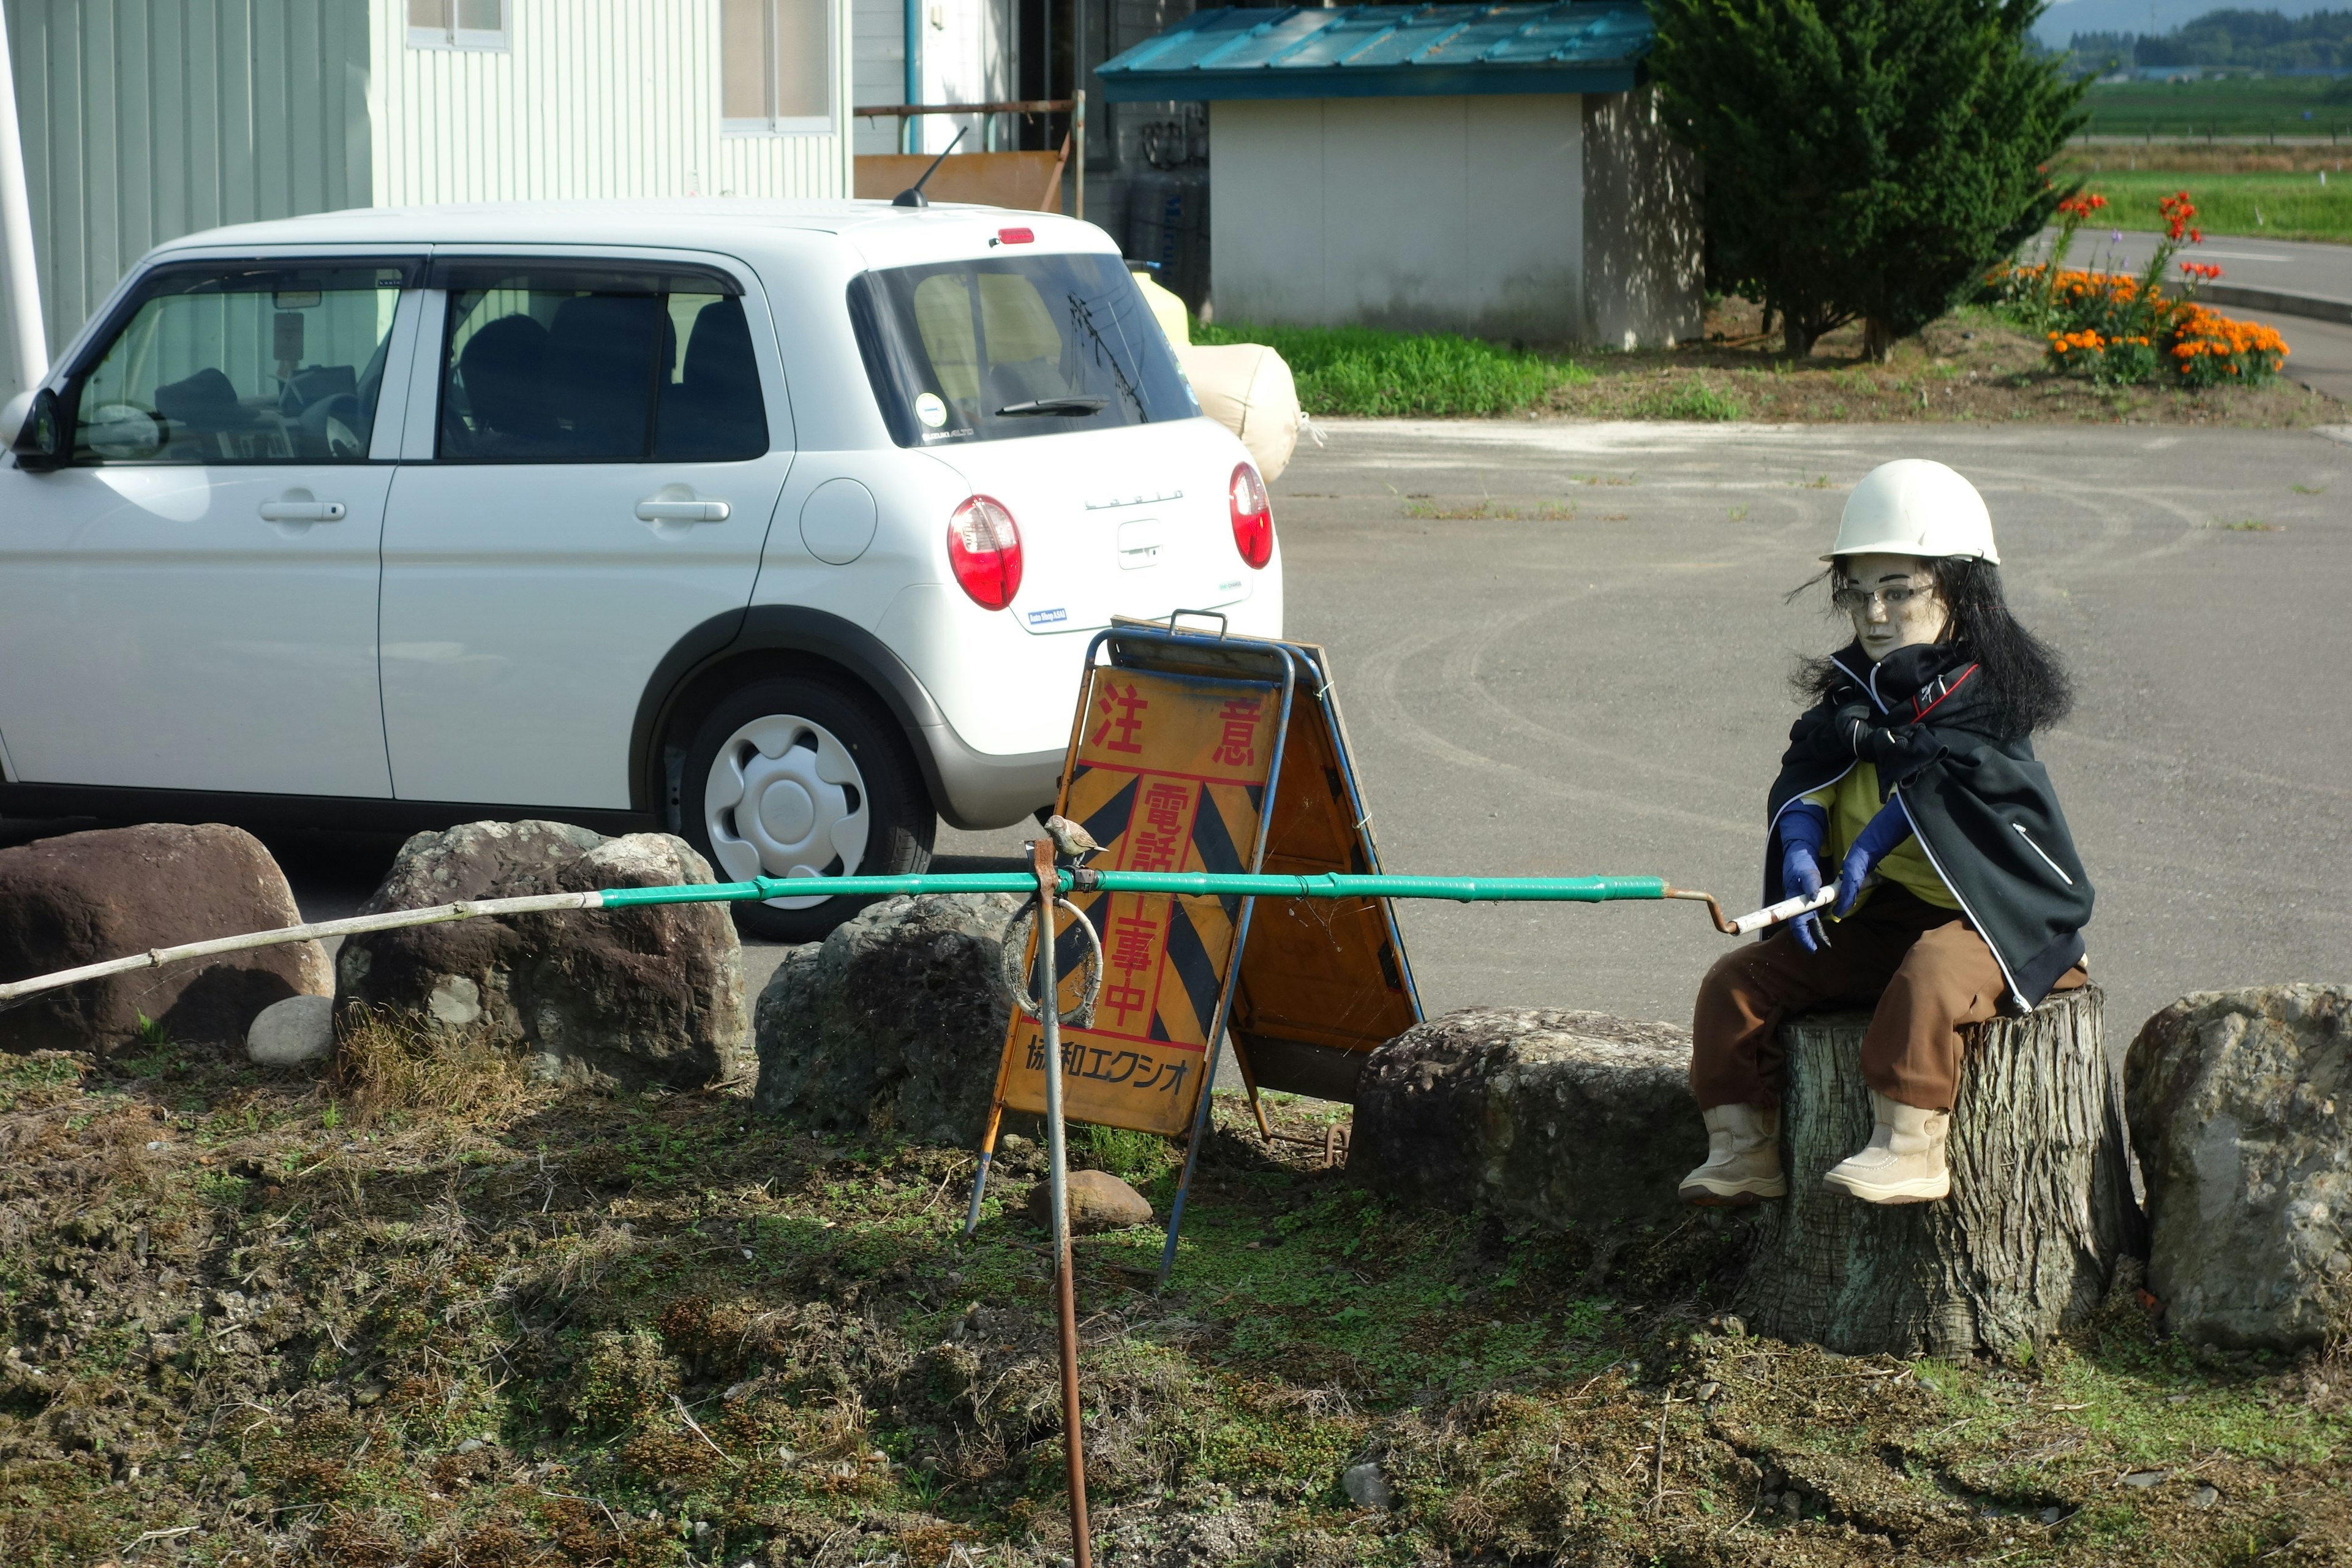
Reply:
x=1071, y=839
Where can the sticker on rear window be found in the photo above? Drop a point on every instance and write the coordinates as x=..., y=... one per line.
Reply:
x=930, y=410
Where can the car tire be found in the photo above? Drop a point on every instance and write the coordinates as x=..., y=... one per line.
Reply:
x=798, y=776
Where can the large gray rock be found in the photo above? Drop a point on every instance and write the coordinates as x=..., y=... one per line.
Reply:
x=1566, y=1119
x=2240, y=1108
x=84, y=897
x=631, y=997
x=894, y=1023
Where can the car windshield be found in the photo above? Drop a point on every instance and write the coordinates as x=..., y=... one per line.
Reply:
x=1034, y=345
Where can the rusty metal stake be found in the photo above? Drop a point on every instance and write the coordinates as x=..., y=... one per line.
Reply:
x=1057, y=1172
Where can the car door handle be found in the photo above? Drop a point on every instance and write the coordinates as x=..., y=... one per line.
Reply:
x=662, y=508
x=302, y=512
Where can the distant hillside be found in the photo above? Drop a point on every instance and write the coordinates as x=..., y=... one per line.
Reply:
x=2140, y=18
x=2242, y=40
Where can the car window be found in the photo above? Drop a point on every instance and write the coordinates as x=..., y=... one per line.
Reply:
x=583, y=366
x=280, y=364
x=1017, y=346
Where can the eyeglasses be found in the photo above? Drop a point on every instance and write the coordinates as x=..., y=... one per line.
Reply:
x=1852, y=599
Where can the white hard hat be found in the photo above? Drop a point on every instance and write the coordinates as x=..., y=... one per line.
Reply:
x=1913, y=506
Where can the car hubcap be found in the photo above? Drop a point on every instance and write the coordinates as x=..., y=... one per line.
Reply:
x=786, y=799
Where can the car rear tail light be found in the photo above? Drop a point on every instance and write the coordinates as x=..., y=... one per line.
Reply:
x=984, y=548
x=1253, y=516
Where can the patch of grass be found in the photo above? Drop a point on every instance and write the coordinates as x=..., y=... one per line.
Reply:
x=2244, y=525
x=2267, y=205
x=1139, y=1159
x=1694, y=399
x=2227, y=106
x=40, y=1078
x=391, y=1066
x=1367, y=370
x=567, y=1327
x=1492, y=511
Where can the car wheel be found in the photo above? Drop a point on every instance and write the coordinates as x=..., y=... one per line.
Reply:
x=796, y=776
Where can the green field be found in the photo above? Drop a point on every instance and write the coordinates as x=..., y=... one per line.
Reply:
x=2274, y=206
x=2235, y=106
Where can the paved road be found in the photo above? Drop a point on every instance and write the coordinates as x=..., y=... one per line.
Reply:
x=1606, y=693
x=2319, y=353
x=2294, y=266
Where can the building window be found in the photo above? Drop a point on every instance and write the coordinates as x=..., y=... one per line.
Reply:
x=775, y=67
x=456, y=24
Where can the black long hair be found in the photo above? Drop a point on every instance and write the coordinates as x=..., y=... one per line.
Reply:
x=2028, y=679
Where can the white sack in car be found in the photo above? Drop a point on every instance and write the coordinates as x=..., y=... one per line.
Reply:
x=1246, y=388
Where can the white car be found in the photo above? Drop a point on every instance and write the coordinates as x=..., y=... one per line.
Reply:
x=784, y=526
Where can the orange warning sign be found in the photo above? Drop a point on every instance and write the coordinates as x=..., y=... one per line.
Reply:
x=1168, y=774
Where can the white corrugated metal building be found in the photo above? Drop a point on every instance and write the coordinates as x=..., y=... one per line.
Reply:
x=145, y=120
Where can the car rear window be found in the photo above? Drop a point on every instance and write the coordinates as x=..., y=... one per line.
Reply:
x=1029, y=345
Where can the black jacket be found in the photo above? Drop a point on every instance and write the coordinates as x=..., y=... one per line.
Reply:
x=1980, y=805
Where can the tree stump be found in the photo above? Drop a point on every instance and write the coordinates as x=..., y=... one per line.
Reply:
x=2041, y=1203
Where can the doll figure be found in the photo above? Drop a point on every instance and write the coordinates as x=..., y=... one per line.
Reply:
x=1912, y=780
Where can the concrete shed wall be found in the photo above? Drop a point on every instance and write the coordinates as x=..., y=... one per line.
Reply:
x=1643, y=274
x=1420, y=213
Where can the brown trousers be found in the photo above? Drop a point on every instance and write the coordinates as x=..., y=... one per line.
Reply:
x=1925, y=968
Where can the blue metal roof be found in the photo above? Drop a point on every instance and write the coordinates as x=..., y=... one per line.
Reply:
x=1387, y=51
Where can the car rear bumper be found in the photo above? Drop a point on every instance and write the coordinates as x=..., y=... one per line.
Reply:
x=974, y=790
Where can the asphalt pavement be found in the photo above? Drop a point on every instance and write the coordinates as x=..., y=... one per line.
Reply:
x=2290, y=267
x=1606, y=691
x=1609, y=693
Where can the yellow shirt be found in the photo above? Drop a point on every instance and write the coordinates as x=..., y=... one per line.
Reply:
x=1851, y=802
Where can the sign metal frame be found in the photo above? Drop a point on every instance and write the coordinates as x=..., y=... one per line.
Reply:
x=1326, y=1070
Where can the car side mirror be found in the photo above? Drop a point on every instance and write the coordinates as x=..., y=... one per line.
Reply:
x=40, y=440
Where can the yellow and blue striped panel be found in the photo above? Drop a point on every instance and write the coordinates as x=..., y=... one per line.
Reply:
x=1169, y=776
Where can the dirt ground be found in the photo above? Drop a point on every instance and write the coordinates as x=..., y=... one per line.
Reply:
x=1970, y=366
x=431, y=1314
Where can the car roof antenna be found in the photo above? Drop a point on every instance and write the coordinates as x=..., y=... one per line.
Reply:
x=912, y=196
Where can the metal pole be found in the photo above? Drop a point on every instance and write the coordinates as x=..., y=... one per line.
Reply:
x=17, y=263
x=1057, y=1175
x=911, y=127
x=980, y=1177
x=1079, y=111
x=1192, y=1156
x=1220, y=1025
x=1185, y=884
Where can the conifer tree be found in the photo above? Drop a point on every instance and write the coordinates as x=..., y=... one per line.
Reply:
x=1864, y=159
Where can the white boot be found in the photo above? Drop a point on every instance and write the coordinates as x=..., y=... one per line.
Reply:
x=1903, y=1161
x=1743, y=1157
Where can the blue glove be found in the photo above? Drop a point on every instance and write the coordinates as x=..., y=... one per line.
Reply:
x=1802, y=827
x=1890, y=828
